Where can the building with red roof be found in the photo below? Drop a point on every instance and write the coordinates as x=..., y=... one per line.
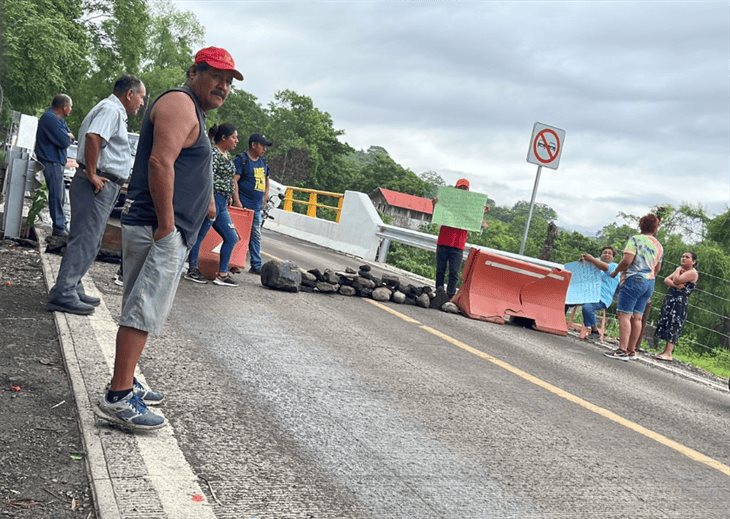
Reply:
x=406, y=210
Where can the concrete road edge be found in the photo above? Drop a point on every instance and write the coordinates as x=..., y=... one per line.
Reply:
x=105, y=502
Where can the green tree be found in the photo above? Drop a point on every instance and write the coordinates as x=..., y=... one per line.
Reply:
x=119, y=31
x=44, y=49
x=243, y=110
x=173, y=36
x=295, y=123
x=569, y=245
x=718, y=230
x=383, y=171
x=118, y=39
x=516, y=218
x=615, y=235
x=433, y=181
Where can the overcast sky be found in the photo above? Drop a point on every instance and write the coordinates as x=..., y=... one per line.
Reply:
x=641, y=89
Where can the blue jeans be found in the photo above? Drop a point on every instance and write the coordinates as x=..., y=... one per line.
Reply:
x=589, y=313
x=634, y=294
x=53, y=173
x=450, y=256
x=254, y=243
x=223, y=226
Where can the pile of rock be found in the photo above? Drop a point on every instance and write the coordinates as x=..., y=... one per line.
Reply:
x=286, y=275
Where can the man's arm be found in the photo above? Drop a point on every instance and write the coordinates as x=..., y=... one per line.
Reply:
x=91, y=156
x=266, y=191
x=595, y=261
x=68, y=132
x=56, y=130
x=175, y=127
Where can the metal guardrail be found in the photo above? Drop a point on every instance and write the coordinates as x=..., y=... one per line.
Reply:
x=311, y=202
x=425, y=241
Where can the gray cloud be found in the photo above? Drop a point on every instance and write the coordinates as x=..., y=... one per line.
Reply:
x=641, y=88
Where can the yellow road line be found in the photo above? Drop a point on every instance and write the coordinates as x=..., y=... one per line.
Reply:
x=394, y=312
x=271, y=256
x=610, y=415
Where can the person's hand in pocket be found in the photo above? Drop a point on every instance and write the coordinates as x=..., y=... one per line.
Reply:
x=162, y=232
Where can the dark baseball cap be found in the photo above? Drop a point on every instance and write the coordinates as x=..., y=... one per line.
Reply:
x=261, y=139
x=218, y=58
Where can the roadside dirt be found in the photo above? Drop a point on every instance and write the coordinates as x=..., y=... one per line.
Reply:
x=42, y=460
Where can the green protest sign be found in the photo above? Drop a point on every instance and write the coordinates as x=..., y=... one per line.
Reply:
x=459, y=208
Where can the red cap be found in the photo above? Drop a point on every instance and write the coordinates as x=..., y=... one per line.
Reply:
x=462, y=182
x=218, y=58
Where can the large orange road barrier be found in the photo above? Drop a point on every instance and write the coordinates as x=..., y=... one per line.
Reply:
x=209, y=256
x=496, y=286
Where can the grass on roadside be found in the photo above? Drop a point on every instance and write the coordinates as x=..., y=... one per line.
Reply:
x=717, y=361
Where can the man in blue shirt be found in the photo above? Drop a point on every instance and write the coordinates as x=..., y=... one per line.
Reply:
x=251, y=190
x=52, y=140
x=608, y=286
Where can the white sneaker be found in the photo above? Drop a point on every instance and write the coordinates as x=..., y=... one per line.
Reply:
x=224, y=281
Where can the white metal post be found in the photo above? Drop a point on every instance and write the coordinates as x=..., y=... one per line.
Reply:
x=529, y=214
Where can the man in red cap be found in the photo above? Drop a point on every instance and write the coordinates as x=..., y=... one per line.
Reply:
x=169, y=195
x=450, y=250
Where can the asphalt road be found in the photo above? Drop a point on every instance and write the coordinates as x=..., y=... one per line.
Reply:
x=310, y=405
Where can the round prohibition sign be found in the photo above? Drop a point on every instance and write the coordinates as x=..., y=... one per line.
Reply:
x=541, y=146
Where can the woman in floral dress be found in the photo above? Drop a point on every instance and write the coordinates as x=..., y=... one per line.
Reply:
x=681, y=283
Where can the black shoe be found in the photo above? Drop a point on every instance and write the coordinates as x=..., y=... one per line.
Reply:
x=196, y=276
x=254, y=270
x=75, y=307
x=89, y=300
x=60, y=233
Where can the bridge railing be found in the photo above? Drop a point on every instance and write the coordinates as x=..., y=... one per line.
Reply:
x=358, y=229
x=312, y=202
x=425, y=241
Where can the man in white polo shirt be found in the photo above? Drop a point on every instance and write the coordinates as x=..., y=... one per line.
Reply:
x=105, y=161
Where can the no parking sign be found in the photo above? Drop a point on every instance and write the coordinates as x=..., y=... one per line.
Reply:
x=546, y=146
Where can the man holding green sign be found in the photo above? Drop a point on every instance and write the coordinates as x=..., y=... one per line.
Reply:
x=458, y=211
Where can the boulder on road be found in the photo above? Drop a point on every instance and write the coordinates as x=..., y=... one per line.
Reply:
x=281, y=275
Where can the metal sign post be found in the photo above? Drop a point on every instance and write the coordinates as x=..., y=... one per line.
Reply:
x=529, y=214
x=546, y=146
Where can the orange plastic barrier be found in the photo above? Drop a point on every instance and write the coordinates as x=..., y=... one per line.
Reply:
x=209, y=256
x=496, y=286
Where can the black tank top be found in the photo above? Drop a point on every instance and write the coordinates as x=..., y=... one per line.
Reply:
x=193, y=179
